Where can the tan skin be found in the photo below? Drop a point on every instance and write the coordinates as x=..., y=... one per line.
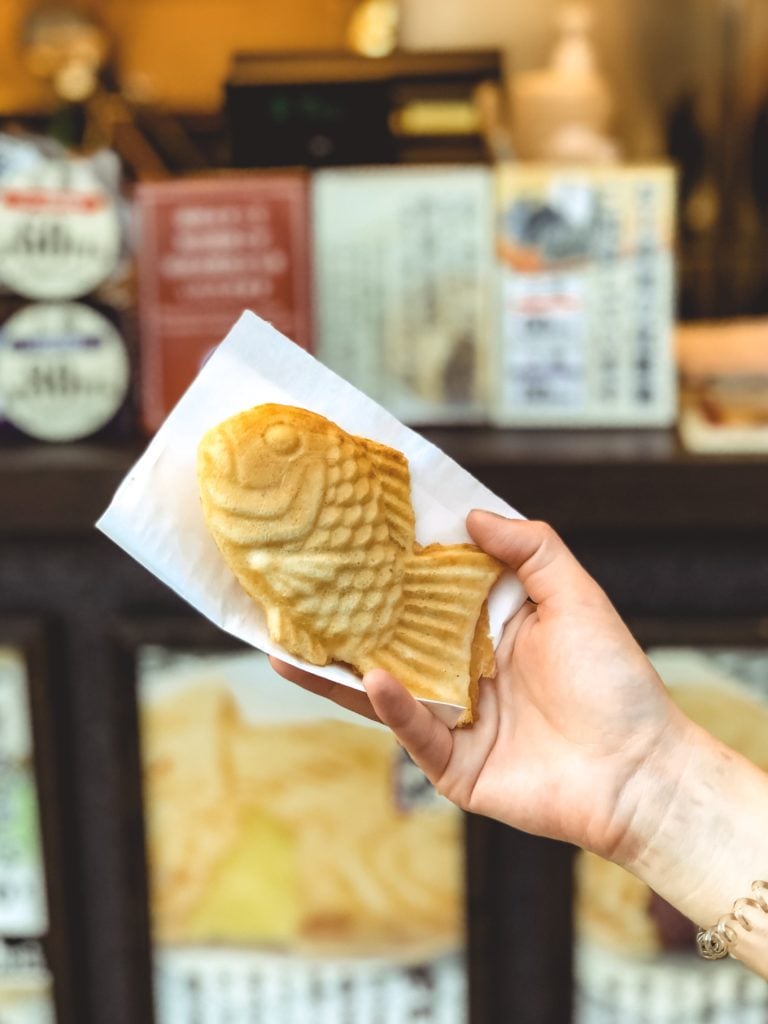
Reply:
x=577, y=739
x=572, y=712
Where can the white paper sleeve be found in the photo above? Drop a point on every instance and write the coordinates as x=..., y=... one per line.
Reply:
x=156, y=515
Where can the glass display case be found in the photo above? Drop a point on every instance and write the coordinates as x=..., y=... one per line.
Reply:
x=299, y=864
x=635, y=956
x=36, y=963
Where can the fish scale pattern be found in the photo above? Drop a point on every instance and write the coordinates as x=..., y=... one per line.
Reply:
x=319, y=528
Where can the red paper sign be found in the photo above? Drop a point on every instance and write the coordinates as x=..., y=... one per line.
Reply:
x=208, y=249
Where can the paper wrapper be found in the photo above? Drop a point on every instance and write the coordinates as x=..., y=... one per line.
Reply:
x=156, y=514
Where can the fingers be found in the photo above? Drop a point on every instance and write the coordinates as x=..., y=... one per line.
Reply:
x=428, y=740
x=543, y=563
x=344, y=696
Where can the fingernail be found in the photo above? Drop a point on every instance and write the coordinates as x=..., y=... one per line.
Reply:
x=486, y=512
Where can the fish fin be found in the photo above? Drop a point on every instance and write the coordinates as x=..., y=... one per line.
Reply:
x=302, y=576
x=287, y=631
x=391, y=469
x=440, y=647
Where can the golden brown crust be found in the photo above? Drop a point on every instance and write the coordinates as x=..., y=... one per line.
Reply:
x=482, y=665
x=318, y=527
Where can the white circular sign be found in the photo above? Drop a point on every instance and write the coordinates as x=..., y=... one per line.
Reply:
x=59, y=231
x=64, y=371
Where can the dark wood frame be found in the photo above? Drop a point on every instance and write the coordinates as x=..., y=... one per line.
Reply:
x=47, y=710
x=747, y=632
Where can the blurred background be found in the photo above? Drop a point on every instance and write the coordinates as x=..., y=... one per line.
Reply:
x=537, y=233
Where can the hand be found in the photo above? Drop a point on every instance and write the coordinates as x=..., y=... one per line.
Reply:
x=577, y=739
x=568, y=723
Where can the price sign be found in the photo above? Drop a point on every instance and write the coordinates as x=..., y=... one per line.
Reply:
x=59, y=230
x=64, y=371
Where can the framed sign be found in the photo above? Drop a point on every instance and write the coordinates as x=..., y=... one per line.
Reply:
x=36, y=942
x=298, y=865
x=632, y=950
x=212, y=247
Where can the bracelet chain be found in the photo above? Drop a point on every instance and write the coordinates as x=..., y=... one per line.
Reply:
x=716, y=942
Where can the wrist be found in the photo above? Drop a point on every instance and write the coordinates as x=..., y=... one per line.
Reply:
x=696, y=832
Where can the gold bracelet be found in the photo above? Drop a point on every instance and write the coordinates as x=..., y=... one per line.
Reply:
x=716, y=942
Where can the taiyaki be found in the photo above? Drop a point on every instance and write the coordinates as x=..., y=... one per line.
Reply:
x=318, y=527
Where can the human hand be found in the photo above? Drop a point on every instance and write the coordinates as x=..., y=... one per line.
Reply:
x=567, y=725
x=577, y=739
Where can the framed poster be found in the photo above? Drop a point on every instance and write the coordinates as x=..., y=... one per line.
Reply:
x=585, y=258
x=635, y=958
x=36, y=981
x=299, y=866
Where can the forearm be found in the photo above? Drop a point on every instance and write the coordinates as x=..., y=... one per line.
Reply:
x=699, y=833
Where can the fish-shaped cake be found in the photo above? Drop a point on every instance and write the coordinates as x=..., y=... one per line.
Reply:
x=318, y=527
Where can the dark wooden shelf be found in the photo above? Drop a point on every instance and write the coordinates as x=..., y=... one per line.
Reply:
x=58, y=489
x=578, y=480
x=614, y=480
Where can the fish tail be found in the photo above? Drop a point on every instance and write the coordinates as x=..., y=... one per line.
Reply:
x=439, y=647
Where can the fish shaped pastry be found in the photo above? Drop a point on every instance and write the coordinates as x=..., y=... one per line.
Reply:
x=318, y=527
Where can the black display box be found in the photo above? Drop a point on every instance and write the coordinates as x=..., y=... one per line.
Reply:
x=337, y=109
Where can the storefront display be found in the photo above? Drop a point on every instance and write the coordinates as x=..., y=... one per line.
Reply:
x=299, y=863
x=184, y=837
x=26, y=995
x=635, y=956
x=724, y=386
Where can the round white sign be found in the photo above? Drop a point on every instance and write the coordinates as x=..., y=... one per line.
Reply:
x=64, y=371
x=59, y=231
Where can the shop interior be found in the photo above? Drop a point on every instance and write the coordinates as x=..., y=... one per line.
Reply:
x=534, y=236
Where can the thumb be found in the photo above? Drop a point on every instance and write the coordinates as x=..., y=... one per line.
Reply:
x=543, y=563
